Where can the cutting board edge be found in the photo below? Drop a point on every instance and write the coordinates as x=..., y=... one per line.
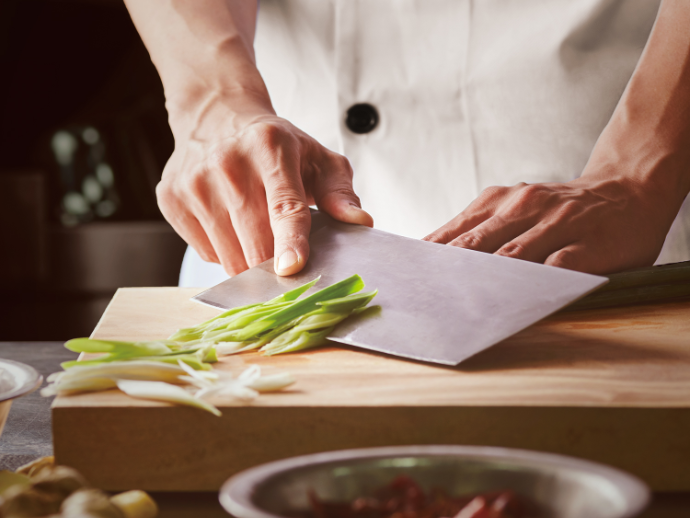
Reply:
x=156, y=450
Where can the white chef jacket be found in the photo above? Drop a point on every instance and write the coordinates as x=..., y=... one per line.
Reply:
x=469, y=94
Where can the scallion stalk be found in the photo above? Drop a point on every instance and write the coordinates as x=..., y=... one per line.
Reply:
x=147, y=369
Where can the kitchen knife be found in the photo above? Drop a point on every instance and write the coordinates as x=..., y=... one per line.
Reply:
x=438, y=303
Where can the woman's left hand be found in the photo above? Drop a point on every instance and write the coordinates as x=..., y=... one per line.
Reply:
x=591, y=225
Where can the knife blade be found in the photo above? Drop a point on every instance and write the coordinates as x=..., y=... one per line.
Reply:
x=437, y=303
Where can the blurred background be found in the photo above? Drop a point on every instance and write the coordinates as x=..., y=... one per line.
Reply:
x=83, y=141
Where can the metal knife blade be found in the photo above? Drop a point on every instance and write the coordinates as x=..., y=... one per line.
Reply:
x=438, y=303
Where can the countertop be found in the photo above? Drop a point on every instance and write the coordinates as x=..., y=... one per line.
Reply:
x=27, y=435
x=27, y=432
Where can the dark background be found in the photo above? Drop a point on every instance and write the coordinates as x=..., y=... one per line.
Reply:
x=67, y=68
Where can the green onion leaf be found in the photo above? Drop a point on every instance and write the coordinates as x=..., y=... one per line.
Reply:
x=159, y=391
x=339, y=289
x=347, y=304
x=292, y=341
x=292, y=294
x=89, y=345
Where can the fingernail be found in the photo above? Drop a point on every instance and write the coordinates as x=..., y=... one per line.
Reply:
x=287, y=260
x=362, y=216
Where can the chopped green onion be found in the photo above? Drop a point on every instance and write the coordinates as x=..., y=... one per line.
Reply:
x=291, y=295
x=239, y=317
x=296, y=341
x=103, y=376
x=89, y=345
x=272, y=382
x=159, y=391
x=354, y=301
x=154, y=370
x=339, y=289
x=186, y=334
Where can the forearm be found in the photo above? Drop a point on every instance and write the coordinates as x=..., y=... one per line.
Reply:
x=203, y=50
x=648, y=136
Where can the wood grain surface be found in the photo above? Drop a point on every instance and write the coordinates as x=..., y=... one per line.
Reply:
x=612, y=385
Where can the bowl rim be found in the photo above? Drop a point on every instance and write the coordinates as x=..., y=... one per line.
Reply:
x=32, y=383
x=235, y=494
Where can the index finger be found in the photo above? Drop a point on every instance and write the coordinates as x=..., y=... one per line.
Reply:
x=476, y=213
x=288, y=211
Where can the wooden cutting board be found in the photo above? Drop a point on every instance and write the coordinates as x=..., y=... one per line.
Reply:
x=611, y=385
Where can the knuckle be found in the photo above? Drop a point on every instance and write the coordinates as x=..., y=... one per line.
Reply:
x=563, y=259
x=262, y=131
x=530, y=195
x=169, y=203
x=471, y=240
x=195, y=182
x=440, y=236
x=164, y=192
x=223, y=165
x=268, y=135
x=531, y=190
x=568, y=210
x=514, y=250
x=492, y=192
x=444, y=236
x=284, y=208
x=217, y=159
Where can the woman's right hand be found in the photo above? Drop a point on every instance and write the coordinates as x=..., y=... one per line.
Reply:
x=239, y=184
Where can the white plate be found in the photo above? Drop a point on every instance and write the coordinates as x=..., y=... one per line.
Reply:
x=17, y=379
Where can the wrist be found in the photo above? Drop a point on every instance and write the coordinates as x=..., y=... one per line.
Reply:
x=206, y=112
x=218, y=84
x=637, y=150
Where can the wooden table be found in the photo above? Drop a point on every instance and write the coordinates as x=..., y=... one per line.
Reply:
x=609, y=385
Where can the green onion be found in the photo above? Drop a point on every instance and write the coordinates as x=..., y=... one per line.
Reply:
x=300, y=307
x=159, y=391
x=237, y=318
x=194, y=333
x=293, y=341
x=291, y=295
x=89, y=345
x=104, y=376
x=347, y=304
x=115, y=351
x=147, y=369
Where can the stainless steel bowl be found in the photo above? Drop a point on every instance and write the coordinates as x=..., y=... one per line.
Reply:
x=563, y=487
x=16, y=380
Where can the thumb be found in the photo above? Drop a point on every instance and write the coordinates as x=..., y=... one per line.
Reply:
x=335, y=195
